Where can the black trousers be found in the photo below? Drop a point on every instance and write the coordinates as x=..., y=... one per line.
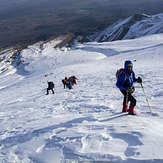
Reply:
x=48, y=89
x=128, y=98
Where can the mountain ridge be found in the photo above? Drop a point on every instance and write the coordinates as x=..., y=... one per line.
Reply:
x=134, y=26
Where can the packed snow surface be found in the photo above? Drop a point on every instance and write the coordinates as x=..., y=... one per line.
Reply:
x=84, y=124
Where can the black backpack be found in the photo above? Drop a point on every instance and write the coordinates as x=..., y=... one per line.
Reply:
x=119, y=72
x=50, y=85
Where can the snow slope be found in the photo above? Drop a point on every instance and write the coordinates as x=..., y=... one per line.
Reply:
x=84, y=124
x=134, y=26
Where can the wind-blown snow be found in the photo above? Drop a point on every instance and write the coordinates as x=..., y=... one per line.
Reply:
x=84, y=124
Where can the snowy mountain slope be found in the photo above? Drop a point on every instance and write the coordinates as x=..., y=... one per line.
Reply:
x=133, y=27
x=84, y=124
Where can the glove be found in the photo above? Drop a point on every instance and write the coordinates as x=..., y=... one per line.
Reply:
x=126, y=84
x=131, y=90
x=139, y=80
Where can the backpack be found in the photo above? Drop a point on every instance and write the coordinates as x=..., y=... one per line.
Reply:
x=51, y=84
x=119, y=72
x=63, y=81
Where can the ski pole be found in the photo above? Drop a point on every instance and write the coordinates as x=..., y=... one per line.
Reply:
x=127, y=97
x=146, y=97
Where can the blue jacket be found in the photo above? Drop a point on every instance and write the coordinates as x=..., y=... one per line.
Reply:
x=125, y=77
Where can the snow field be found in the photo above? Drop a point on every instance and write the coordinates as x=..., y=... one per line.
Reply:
x=85, y=123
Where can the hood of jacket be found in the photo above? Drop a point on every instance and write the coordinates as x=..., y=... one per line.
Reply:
x=126, y=65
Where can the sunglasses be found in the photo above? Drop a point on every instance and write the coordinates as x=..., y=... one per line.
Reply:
x=129, y=65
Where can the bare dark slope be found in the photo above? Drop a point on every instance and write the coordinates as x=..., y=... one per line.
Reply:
x=29, y=21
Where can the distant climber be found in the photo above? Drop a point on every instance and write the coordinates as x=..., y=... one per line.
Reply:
x=50, y=87
x=73, y=79
x=125, y=79
x=64, y=82
x=69, y=82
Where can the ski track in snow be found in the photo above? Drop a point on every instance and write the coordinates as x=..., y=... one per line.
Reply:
x=84, y=123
